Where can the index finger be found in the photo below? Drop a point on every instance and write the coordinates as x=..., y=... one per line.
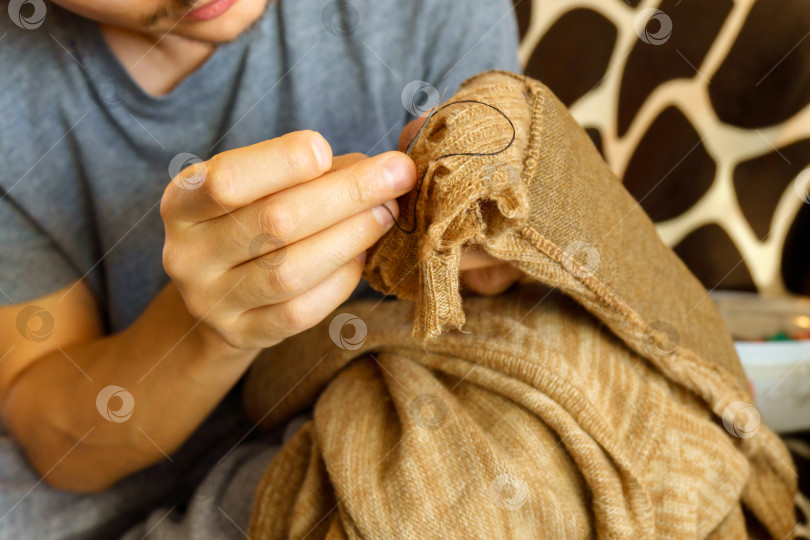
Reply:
x=238, y=177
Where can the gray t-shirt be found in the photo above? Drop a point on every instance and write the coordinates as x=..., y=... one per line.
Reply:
x=85, y=156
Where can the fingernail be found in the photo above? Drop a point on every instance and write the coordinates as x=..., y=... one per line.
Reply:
x=383, y=214
x=322, y=152
x=399, y=173
x=361, y=258
x=192, y=177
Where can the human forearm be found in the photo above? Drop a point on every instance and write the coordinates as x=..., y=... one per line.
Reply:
x=253, y=258
x=175, y=369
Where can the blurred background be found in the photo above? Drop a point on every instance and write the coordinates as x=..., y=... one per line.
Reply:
x=702, y=109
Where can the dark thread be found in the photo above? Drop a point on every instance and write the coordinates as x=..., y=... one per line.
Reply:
x=419, y=186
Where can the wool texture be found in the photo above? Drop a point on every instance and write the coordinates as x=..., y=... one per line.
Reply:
x=600, y=397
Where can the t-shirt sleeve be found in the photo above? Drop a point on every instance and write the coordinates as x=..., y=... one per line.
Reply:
x=467, y=37
x=31, y=265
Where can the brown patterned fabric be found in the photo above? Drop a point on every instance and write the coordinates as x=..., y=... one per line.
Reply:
x=588, y=401
x=703, y=110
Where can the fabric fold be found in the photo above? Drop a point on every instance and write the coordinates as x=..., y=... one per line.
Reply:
x=608, y=374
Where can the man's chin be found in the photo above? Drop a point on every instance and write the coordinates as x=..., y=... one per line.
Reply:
x=227, y=27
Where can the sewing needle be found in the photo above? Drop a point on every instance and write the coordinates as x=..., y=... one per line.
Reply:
x=435, y=108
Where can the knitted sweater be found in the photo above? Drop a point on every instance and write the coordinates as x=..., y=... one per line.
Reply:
x=600, y=397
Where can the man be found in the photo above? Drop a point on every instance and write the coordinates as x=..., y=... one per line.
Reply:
x=133, y=308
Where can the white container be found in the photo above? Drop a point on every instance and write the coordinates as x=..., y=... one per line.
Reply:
x=779, y=371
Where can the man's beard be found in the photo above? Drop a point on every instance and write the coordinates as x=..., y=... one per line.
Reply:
x=180, y=8
x=175, y=7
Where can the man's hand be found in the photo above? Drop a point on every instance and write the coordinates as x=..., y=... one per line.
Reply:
x=261, y=243
x=486, y=275
x=265, y=241
x=480, y=272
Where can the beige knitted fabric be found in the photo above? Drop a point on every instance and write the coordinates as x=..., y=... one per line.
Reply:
x=588, y=401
